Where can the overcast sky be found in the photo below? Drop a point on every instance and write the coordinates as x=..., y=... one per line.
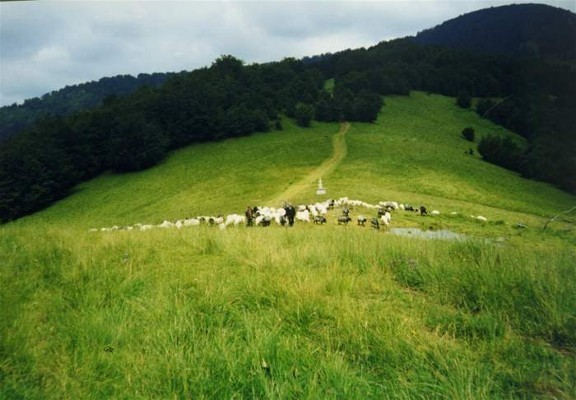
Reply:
x=46, y=45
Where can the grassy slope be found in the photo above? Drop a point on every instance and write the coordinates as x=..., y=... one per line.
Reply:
x=209, y=179
x=308, y=312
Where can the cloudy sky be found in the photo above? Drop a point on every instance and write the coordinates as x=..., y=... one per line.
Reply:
x=46, y=45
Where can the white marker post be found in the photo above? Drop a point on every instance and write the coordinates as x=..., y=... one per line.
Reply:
x=321, y=190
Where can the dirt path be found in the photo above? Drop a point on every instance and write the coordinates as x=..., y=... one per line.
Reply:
x=309, y=181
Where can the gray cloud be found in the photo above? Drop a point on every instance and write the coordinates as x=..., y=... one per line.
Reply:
x=46, y=45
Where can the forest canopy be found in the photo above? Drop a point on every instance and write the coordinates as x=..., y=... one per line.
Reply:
x=130, y=132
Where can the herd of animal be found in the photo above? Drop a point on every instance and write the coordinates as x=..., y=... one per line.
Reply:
x=287, y=215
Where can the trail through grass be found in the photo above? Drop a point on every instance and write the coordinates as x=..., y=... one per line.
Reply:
x=327, y=166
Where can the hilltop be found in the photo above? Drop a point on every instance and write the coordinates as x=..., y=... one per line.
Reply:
x=71, y=99
x=520, y=30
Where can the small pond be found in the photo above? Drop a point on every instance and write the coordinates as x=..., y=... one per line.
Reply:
x=428, y=234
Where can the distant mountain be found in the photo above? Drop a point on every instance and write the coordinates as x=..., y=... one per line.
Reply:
x=72, y=99
x=526, y=30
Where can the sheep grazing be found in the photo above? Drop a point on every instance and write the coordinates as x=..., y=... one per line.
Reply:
x=216, y=220
x=344, y=219
x=264, y=216
x=303, y=216
x=279, y=216
x=383, y=210
x=191, y=222
x=319, y=219
x=166, y=224
x=386, y=218
x=389, y=205
x=262, y=220
x=312, y=209
x=144, y=227
x=322, y=208
x=235, y=219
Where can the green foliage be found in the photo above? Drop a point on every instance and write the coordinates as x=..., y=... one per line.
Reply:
x=134, y=132
x=484, y=106
x=534, y=98
x=136, y=144
x=232, y=100
x=72, y=99
x=366, y=106
x=325, y=109
x=303, y=114
x=468, y=133
x=464, y=100
x=501, y=151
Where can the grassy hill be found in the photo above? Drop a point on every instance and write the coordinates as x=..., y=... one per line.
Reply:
x=413, y=154
x=307, y=312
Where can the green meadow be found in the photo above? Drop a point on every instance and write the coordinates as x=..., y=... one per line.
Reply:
x=308, y=312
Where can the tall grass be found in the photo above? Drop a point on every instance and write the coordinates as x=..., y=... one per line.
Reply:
x=305, y=312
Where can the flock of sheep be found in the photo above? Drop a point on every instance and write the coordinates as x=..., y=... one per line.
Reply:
x=306, y=213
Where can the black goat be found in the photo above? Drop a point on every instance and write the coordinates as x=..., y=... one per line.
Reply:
x=344, y=219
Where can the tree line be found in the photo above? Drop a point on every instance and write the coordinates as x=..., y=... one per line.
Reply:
x=71, y=99
x=229, y=99
x=533, y=97
x=127, y=133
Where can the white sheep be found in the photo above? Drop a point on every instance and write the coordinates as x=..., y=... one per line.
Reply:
x=322, y=208
x=191, y=222
x=279, y=216
x=389, y=204
x=303, y=216
x=214, y=220
x=235, y=219
x=386, y=218
x=166, y=224
x=312, y=209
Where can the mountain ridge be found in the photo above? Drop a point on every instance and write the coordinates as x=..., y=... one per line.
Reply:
x=518, y=30
x=451, y=33
x=136, y=131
